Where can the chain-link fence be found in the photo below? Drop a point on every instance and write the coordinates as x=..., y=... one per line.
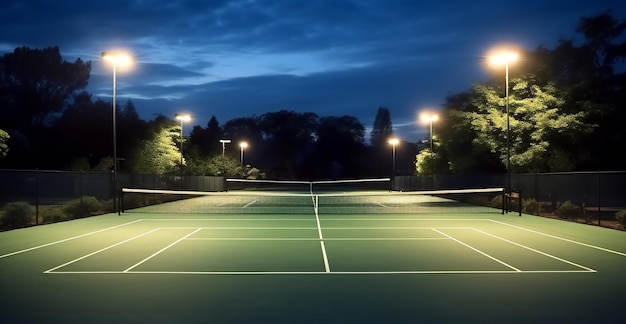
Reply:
x=588, y=197
x=48, y=196
x=32, y=197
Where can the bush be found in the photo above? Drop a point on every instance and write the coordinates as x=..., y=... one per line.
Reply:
x=82, y=207
x=496, y=202
x=17, y=214
x=621, y=217
x=53, y=215
x=529, y=206
x=567, y=210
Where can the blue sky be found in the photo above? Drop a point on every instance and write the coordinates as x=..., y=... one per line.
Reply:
x=241, y=58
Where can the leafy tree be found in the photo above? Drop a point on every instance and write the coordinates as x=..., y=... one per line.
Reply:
x=35, y=86
x=340, y=143
x=383, y=129
x=159, y=154
x=593, y=79
x=85, y=130
x=535, y=115
x=225, y=166
x=4, y=147
x=206, y=140
x=288, y=136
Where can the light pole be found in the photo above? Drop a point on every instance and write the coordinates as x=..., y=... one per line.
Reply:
x=224, y=142
x=182, y=118
x=506, y=58
x=116, y=59
x=242, y=145
x=430, y=118
x=393, y=141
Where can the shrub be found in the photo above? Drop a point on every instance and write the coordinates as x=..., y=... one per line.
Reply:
x=567, y=210
x=82, y=207
x=17, y=214
x=529, y=206
x=496, y=202
x=621, y=217
x=53, y=215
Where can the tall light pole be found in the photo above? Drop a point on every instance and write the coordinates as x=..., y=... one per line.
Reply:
x=430, y=118
x=182, y=118
x=242, y=145
x=506, y=58
x=224, y=142
x=121, y=60
x=393, y=141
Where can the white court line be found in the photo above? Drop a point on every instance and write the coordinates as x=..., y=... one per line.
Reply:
x=249, y=204
x=316, y=239
x=322, y=272
x=477, y=250
x=103, y=249
x=536, y=251
x=562, y=239
x=321, y=238
x=65, y=240
x=161, y=250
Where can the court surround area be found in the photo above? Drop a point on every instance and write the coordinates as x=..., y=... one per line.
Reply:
x=435, y=264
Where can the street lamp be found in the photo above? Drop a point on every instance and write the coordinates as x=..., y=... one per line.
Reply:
x=506, y=58
x=393, y=141
x=430, y=118
x=242, y=145
x=224, y=142
x=121, y=60
x=182, y=118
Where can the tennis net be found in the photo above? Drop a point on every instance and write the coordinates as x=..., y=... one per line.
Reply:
x=311, y=187
x=485, y=200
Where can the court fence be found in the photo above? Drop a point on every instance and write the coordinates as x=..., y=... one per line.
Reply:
x=589, y=197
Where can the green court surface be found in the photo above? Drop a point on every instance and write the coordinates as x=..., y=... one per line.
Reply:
x=326, y=268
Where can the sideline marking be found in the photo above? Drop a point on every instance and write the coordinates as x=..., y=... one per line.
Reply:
x=161, y=250
x=562, y=239
x=537, y=251
x=477, y=250
x=65, y=240
x=103, y=249
x=322, y=272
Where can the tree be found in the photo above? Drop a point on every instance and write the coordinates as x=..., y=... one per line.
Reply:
x=592, y=79
x=383, y=129
x=35, y=86
x=159, y=154
x=4, y=147
x=535, y=116
x=339, y=146
x=288, y=136
x=206, y=140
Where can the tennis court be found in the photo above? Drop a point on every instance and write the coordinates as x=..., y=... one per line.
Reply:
x=331, y=257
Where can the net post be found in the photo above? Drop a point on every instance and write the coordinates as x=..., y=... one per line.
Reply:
x=503, y=200
x=519, y=202
x=121, y=207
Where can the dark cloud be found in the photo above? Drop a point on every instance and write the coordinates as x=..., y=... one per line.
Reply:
x=244, y=57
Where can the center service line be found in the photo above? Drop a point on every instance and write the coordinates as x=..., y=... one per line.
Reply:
x=319, y=231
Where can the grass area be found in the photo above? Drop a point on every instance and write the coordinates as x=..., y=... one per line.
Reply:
x=331, y=268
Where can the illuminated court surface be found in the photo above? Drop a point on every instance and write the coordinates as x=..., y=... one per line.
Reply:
x=309, y=268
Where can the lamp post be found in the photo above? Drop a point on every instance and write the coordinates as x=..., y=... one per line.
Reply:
x=242, y=145
x=506, y=58
x=393, y=141
x=430, y=118
x=182, y=118
x=224, y=142
x=115, y=59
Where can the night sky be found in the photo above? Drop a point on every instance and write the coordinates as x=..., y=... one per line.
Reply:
x=241, y=58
